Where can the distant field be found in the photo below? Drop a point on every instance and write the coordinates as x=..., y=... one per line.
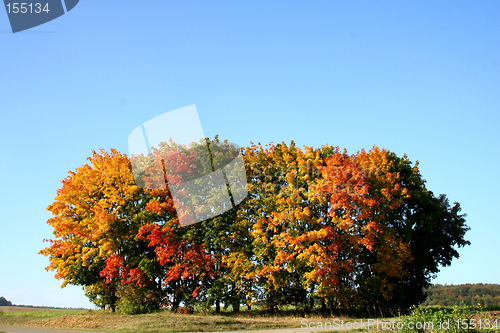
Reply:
x=9, y=311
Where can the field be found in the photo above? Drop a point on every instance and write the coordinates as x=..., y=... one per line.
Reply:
x=166, y=321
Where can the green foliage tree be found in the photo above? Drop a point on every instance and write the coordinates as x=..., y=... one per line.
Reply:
x=4, y=302
x=431, y=226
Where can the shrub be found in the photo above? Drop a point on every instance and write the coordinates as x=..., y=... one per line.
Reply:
x=456, y=319
x=136, y=300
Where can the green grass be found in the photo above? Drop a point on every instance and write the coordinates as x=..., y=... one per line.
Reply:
x=41, y=313
x=162, y=321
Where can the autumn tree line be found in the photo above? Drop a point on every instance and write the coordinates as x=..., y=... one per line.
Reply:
x=319, y=229
x=487, y=295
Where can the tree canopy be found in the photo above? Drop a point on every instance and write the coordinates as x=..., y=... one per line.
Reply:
x=357, y=232
x=4, y=302
x=487, y=295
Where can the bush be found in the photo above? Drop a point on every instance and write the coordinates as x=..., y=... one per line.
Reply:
x=136, y=300
x=456, y=319
x=185, y=310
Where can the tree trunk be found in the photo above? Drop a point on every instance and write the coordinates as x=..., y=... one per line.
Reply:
x=217, y=306
x=323, y=306
x=112, y=300
x=271, y=303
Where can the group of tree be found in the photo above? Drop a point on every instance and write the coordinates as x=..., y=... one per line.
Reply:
x=487, y=295
x=4, y=302
x=318, y=227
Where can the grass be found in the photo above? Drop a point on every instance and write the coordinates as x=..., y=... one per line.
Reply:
x=12, y=311
x=163, y=321
x=166, y=321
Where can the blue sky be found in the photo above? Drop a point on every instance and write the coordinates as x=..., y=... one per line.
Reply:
x=419, y=78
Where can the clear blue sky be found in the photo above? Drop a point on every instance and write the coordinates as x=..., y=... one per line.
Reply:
x=420, y=78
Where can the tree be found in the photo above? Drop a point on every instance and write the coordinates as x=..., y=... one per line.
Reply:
x=432, y=228
x=383, y=263
x=4, y=302
x=96, y=215
x=353, y=230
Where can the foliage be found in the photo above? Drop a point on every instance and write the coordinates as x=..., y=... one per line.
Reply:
x=487, y=295
x=457, y=319
x=4, y=302
x=97, y=214
x=430, y=226
x=351, y=232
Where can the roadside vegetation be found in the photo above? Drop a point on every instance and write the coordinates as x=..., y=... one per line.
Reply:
x=421, y=319
x=456, y=319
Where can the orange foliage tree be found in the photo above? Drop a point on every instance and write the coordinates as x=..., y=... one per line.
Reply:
x=96, y=212
x=318, y=225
